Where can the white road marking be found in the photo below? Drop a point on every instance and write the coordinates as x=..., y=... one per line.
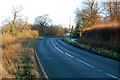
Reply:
x=69, y=55
x=81, y=60
x=85, y=63
x=56, y=47
x=42, y=68
x=112, y=76
x=99, y=70
x=44, y=73
x=72, y=56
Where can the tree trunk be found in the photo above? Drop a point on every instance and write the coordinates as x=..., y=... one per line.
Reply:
x=13, y=24
x=115, y=10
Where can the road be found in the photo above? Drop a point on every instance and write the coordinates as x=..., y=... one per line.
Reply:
x=61, y=60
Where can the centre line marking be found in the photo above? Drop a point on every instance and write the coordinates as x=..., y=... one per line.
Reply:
x=84, y=63
x=56, y=47
x=99, y=70
x=71, y=55
x=81, y=60
x=112, y=76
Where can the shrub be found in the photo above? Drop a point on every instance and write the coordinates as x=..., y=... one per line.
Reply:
x=105, y=31
x=23, y=34
x=34, y=33
x=27, y=34
x=7, y=39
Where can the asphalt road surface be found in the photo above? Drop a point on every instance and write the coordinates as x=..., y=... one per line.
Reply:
x=61, y=60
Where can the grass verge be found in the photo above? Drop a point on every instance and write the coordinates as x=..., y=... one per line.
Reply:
x=98, y=51
x=18, y=60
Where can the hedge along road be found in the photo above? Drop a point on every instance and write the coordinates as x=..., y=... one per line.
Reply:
x=61, y=60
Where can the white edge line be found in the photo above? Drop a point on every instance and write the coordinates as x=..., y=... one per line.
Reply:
x=112, y=76
x=41, y=65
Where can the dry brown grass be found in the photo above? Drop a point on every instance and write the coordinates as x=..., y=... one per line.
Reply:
x=18, y=55
x=23, y=35
x=27, y=34
x=11, y=49
x=105, y=35
x=110, y=45
x=7, y=39
x=106, y=31
x=18, y=60
x=110, y=24
x=5, y=73
x=8, y=54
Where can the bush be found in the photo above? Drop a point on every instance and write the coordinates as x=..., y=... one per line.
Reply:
x=105, y=31
x=111, y=45
x=27, y=34
x=34, y=33
x=7, y=39
x=23, y=34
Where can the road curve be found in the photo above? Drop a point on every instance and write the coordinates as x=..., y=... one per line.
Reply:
x=61, y=60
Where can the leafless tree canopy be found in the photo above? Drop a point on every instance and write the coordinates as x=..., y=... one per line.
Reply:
x=93, y=12
x=89, y=15
x=15, y=14
x=43, y=20
x=111, y=9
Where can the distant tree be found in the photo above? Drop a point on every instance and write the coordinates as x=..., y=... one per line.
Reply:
x=42, y=21
x=55, y=31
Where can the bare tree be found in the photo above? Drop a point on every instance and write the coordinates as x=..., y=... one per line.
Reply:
x=115, y=3
x=92, y=10
x=15, y=14
x=111, y=9
x=119, y=10
x=89, y=15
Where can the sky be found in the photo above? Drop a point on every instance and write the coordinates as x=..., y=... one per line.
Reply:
x=58, y=10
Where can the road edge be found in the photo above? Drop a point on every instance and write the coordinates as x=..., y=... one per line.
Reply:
x=94, y=52
x=39, y=65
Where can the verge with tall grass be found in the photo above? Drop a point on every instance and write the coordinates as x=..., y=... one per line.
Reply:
x=18, y=59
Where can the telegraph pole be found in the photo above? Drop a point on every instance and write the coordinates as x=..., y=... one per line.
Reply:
x=70, y=26
x=70, y=23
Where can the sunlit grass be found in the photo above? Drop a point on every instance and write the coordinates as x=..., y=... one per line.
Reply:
x=110, y=24
x=18, y=59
